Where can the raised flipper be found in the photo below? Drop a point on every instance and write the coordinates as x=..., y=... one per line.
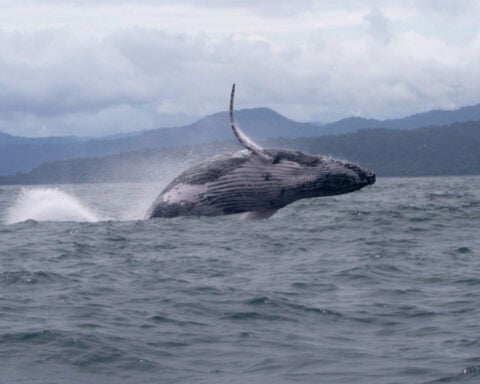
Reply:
x=242, y=137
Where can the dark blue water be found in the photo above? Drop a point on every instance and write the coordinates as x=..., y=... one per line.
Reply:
x=379, y=286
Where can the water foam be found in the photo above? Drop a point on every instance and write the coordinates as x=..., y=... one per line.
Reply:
x=49, y=204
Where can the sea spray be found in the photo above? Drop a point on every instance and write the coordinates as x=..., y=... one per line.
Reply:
x=49, y=204
x=141, y=198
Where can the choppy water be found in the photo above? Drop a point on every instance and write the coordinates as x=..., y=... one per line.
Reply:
x=379, y=286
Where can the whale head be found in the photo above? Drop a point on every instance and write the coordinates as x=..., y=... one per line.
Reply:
x=336, y=177
x=314, y=175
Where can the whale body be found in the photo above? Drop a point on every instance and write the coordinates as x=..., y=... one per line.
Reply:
x=256, y=181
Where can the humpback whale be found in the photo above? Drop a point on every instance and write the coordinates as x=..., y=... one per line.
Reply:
x=256, y=181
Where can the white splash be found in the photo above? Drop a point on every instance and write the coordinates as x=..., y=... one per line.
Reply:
x=49, y=204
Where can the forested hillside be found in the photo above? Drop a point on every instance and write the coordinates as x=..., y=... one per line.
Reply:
x=430, y=151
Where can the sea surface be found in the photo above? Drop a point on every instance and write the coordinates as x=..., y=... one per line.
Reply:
x=378, y=286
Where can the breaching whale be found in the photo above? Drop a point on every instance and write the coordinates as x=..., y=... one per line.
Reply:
x=256, y=181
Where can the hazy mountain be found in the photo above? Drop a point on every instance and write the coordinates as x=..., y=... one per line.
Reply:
x=259, y=123
x=6, y=140
x=23, y=154
x=19, y=154
x=446, y=150
x=431, y=118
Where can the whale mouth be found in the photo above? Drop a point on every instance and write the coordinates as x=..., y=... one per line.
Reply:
x=367, y=178
x=371, y=178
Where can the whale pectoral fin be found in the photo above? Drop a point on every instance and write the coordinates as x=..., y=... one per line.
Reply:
x=256, y=215
x=242, y=137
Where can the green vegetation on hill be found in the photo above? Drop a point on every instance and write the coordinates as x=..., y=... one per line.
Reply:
x=430, y=151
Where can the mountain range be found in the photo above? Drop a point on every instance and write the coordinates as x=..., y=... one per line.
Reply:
x=431, y=118
x=428, y=151
x=21, y=154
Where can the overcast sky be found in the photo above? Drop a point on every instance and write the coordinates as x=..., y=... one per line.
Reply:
x=93, y=67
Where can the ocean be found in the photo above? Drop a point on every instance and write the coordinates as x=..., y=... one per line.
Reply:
x=377, y=286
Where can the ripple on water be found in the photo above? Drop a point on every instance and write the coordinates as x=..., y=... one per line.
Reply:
x=286, y=307
x=463, y=250
x=470, y=374
x=87, y=351
x=254, y=315
x=475, y=370
x=25, y=277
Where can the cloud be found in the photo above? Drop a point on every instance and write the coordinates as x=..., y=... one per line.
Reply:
x=103, y=68
x=379, y=25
